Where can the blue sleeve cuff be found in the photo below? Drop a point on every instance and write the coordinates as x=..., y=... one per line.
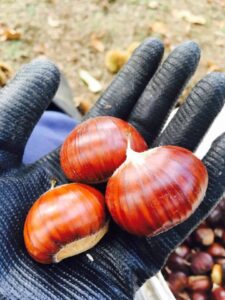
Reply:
x=48, y=134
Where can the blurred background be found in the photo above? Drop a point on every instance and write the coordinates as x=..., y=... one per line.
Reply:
x=90, y=40
x=95, y=37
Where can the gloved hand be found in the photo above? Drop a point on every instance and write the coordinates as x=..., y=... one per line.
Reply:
x=143, y=94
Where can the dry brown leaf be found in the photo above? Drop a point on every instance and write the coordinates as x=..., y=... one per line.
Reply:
x=93, y=85
x=185, y=94
x=53, y=22
x=167, y=42
x=96, y=43
x=115, y=59
x=158, y=27
x=5, y=73
x=40, y=48
x=83, y=105
x=219, y=2
x=189, y=17
x=3, y=78
x=153, y=4
x=132, y=47
x=213, y=67
x=220, y=43
x=8, y=34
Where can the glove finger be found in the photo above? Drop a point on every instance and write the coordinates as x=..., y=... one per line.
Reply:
x=215, y=163
x=120, y=97
x=158, y=98
x=22, y=103
x=195, y=116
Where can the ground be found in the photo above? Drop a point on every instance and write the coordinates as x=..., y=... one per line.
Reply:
x=77, y=34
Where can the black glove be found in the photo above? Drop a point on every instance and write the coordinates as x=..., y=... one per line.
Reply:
x=122, y=262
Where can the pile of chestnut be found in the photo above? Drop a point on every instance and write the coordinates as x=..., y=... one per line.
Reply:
x=196, y=269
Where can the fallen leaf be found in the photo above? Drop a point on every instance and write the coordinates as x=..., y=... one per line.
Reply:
x=158, y=27
x=167, y=42
x=3, y=78
x=105, y=4
x=53, y=22
x=153, y=4
x=40, y=48
x=132, y=47
x=220, y=43
x=93, y=85
x=185, y=94
x=115, y=59
x=212, y=67
x=83, y=105
x=189, y=17
x=8, y=34
x=5, y=73
x=187, y=29
x=96, y=43
x=219, y=2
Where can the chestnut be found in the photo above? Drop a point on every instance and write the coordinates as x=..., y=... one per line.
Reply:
x=220, y=233
x=199, y=296
x=177, y=282
x=182, y=296
x=182, y=250
x=200, y=283
x=216, y=250
x=177, y=263
x=215, y=217
x=204, y=235
x=65, y=221
x=220, y=260
x=218, y=293
x=201, y=263
x=217, y=274
x=153, y=191
x=97, y=147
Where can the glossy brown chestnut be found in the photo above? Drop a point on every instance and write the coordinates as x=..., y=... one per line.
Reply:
x=182, y=250
x=215, y=217
x=155, y=190
x=216, y=250
x=220, y=233
x=65, y=221
x=97, y=147
x=199, y=296
x=178, y=263
x=204, y=235
x=177, y=282
x=217, y=274
x=201, y=263
x=182, y=296
x=218, y=293
x=200, y=283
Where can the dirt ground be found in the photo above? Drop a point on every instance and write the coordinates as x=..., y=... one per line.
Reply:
x=77, y=34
